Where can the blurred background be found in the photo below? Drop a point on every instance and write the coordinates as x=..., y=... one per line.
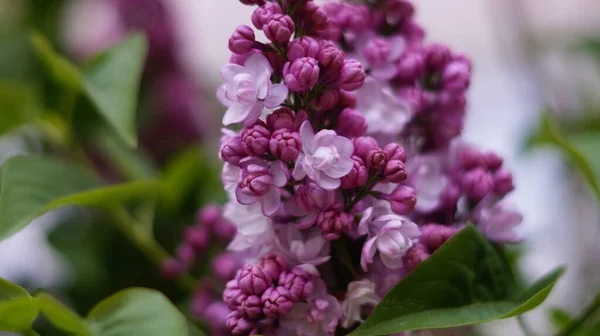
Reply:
x=530, y=56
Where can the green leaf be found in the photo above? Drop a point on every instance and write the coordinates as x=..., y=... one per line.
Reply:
x=462, y=283
x=560, y=318
x=18, y=310
x=112, y=83
x=137, y=312
x=61, y=316
x=549, y=133
x=17, y=106
x=31, y=186
x=57, y=66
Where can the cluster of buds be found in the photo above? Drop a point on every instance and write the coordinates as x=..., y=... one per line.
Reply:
x=349, y=126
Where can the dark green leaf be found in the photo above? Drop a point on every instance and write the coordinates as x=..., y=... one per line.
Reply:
x=112, y=83
x=61, y=316
x=32, y=186
x=137, y=312
x=462, y=283
x=57, y=66
x=560, y=318
x=18, y=310
x=16, y=106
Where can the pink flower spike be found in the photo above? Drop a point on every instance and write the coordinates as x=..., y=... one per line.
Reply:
x=248, y=90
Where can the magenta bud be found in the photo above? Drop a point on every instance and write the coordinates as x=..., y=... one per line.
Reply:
x=303, y=47
x=281, y=118
x=403, y=200
x=450, y=196
x=363, y=145
x=233, y=150
x=224, y=229
x=437, y=56
x=410, y=66
x=273, y=265
x=492, y=160
x=200, y=301
x=471, y=158
x=417, y=99
x=285, y=144
x=263, y=14
x=252, y=2
x=232, y=294
x=357, y=177
x=376, y=159
x=251, y=307
x=327, y=100
x=256, y=180
x=377, y=51
x=186, y=253
x=242, y=40
x=253, y=280
x=224, y=266
x=503, y=182
x=312, y=16
x=208, y=215
x=277, y=62
x=277, y=302
x=197, y=237
x=301, y=74
x=351, y=123
x=256, y=139
x=395, y=152
x=331, y=59
x=394, y=171
x=172, y=268
x=477, y=183
x=434, y=235
x=347, y=99
x=298, y=282
x=238, y=324
x=416, y=255
x=456, y=76
x=334, y=223
x=352, y=75
x=279, y=28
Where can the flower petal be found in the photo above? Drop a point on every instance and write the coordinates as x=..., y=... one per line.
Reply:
x=277, y=94
x=254, y=114
x=324, y=138
x=343, y=145
x=222, y=96
x=259, y=66
x=368, y=252
x=229, y=71
x=384, y=72
x=363, y=225
x=328, y=183
x=236, y=113
x=299, y=173
x=280, y=172
x=307, y=135
x=243, y=198
x=391, y=262
x=341, y=168
x=270, y=202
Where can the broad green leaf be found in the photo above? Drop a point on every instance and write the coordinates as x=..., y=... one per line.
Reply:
x=550, y=134
x=137, y=312
x=18, y=310
x=462, y=283
x=61, y=316
x=112, y=83
x=57, y=66
x=16, y=106
x=31, y=186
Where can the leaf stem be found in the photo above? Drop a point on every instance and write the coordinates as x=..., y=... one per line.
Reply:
x=146, y=243
x=583, y=318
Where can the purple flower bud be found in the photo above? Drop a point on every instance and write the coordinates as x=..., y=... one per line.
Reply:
x=347, y=99
x=233, y=150
x=450, y=197
x=326, y=100
x=333, y=223
x=363, y=145
x=310, y=197
x=197, y=237
x=351, y=123
x=224, y=266
x=410, y=66
x=273, y=266
x=403, y=200
x=456, y=76
x=201, y=299
x=277, y=302
x=357, y=177
x=172, y=268
x=471, y=158
x=437, y=56
x=224, y=229
x=376, y=159
x=303, y=47
x=398, y=10
x=312, y=16
x=301, y=74
x=279, y=28
x=395, y=152
x=231, y=294
x=215, y=314
x=377, y=51
x=186, y=254
x=251, y=2
x=256, y=180
x=263, y=14
x=493, y=161
x=256, y=139
x=416, y=255
x=503, y=182
x=281, y=118
x=251, y=307
x=239, y=325
x=208, y=215
x=277, y=62
x=417, y=99
x=394, y=171
x=285, y=144
x=352, y=75
x=477, y=183
x=298, y=282
x=434, y=235
x=253, y=280
x=242, y=40
x=331, y=59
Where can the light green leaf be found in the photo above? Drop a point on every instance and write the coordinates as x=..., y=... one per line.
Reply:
x=112, y=83
x=16, y=106
x=464, y=282
x=57, y=66
x=61, y=316
x=137, y=312
x=31, y=186
x=18, y=310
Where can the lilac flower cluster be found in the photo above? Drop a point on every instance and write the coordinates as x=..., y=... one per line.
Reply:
x=348, y=171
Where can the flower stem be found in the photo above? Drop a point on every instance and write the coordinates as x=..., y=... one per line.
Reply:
x=588, y=312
